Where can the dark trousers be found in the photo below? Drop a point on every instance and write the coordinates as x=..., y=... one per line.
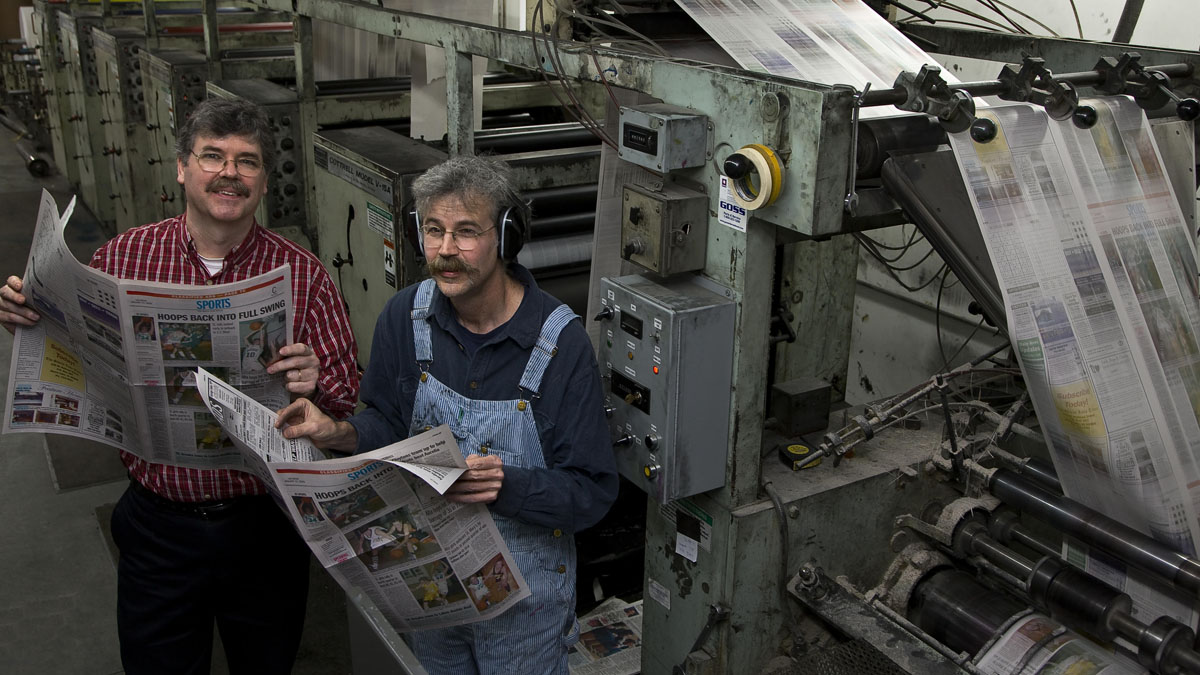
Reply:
x=247, y=569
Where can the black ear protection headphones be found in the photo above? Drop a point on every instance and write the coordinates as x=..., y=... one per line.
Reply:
x=510, y=225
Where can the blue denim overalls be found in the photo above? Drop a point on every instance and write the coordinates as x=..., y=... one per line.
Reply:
x=530, y=638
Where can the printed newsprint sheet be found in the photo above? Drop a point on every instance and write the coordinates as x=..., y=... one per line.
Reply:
x=610, y=640
x=115, y=360
x=1038, y=645
x=843, y=42
x=378, y=521
x=1098, y=273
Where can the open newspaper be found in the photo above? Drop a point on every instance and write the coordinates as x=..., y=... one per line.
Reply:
x=1098, y=274
x=114, y=360
x=610, y=640
x=377, y=521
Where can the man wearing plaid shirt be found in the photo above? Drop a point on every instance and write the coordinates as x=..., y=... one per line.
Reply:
x=202, y=545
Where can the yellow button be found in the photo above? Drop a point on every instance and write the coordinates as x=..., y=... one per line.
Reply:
x=424, y=376
x=521, y=405
x=557, y=532
x=630, y=355
x=562, y=569
x=483, y=449
x=474, y=385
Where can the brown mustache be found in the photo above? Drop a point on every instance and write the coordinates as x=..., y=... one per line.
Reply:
x=440, y=264
x=229, y=185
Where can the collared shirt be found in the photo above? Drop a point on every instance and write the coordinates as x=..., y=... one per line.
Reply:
x=164, y=252
x=580, y=481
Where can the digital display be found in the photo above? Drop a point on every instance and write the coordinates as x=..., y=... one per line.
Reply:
x=631, y=324
x=640, y=139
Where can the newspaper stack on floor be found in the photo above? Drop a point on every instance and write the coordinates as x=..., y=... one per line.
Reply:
x=378, y=522
x=610, y=640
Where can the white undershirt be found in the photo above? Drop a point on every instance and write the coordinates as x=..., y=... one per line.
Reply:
x=213, y=265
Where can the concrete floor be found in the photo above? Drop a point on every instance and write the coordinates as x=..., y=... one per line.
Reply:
x=57, y=572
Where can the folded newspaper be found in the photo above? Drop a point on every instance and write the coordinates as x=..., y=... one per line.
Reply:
x=377, y=521
x=610, y=640
x=114, y=360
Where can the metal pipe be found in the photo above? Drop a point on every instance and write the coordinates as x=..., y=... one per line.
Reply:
x=958, y=611
x=561, y=225
x=897, y=95
x=1128, y=21
x=563, y=198
x=34, y=163
x=1097, y=530
x=532, y=141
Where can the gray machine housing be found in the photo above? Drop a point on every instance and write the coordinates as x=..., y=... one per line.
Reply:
x=363, y=176
x=664, y=137
x=666, y=354
x=664, y=228
x=283, y=206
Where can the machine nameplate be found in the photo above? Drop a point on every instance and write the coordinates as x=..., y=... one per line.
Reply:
x=355, y=174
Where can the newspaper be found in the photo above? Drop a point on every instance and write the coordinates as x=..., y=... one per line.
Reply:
x=845, y=43
x=1098, y=274
x=377, y=521
x=1038, y=645
x=114, y=360
x=610, y=640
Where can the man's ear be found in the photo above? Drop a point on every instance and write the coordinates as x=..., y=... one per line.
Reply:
x=179, y=170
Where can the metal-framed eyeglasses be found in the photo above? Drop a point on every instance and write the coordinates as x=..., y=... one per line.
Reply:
x=465, y=238
x=212, y=162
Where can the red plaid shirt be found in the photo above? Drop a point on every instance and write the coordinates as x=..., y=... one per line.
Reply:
x=164, y=252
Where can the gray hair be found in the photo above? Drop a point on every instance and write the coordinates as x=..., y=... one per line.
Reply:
x=218, y=117
x=471, y=178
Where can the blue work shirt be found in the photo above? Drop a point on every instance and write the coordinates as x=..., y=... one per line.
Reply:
x=580, y=481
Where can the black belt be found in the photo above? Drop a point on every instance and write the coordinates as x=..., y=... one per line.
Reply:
x=210, y=510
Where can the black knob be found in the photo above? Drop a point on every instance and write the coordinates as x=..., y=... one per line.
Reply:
x=624, y=441
x=1085, y=117
x=632, y=247
x=651, y=442
x=983, y=130
x=635, y=214
x=605, y=314
x=1188, y=109
x=737, y=166
x=287, y=144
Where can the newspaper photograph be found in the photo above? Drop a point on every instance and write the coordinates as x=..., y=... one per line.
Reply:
x=115, y=360
x=610, y=640
x=377, y=521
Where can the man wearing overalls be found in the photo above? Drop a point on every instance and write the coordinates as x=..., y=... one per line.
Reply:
x=481, y=348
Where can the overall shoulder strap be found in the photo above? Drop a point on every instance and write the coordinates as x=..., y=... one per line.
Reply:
x=420, y=316
x=546, y=347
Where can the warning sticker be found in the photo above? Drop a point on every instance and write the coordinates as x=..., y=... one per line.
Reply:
x=381, y=220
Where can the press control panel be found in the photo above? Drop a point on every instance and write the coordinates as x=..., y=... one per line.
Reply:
x=666, y=357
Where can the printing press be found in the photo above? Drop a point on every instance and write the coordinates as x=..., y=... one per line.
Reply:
x=739, y=242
